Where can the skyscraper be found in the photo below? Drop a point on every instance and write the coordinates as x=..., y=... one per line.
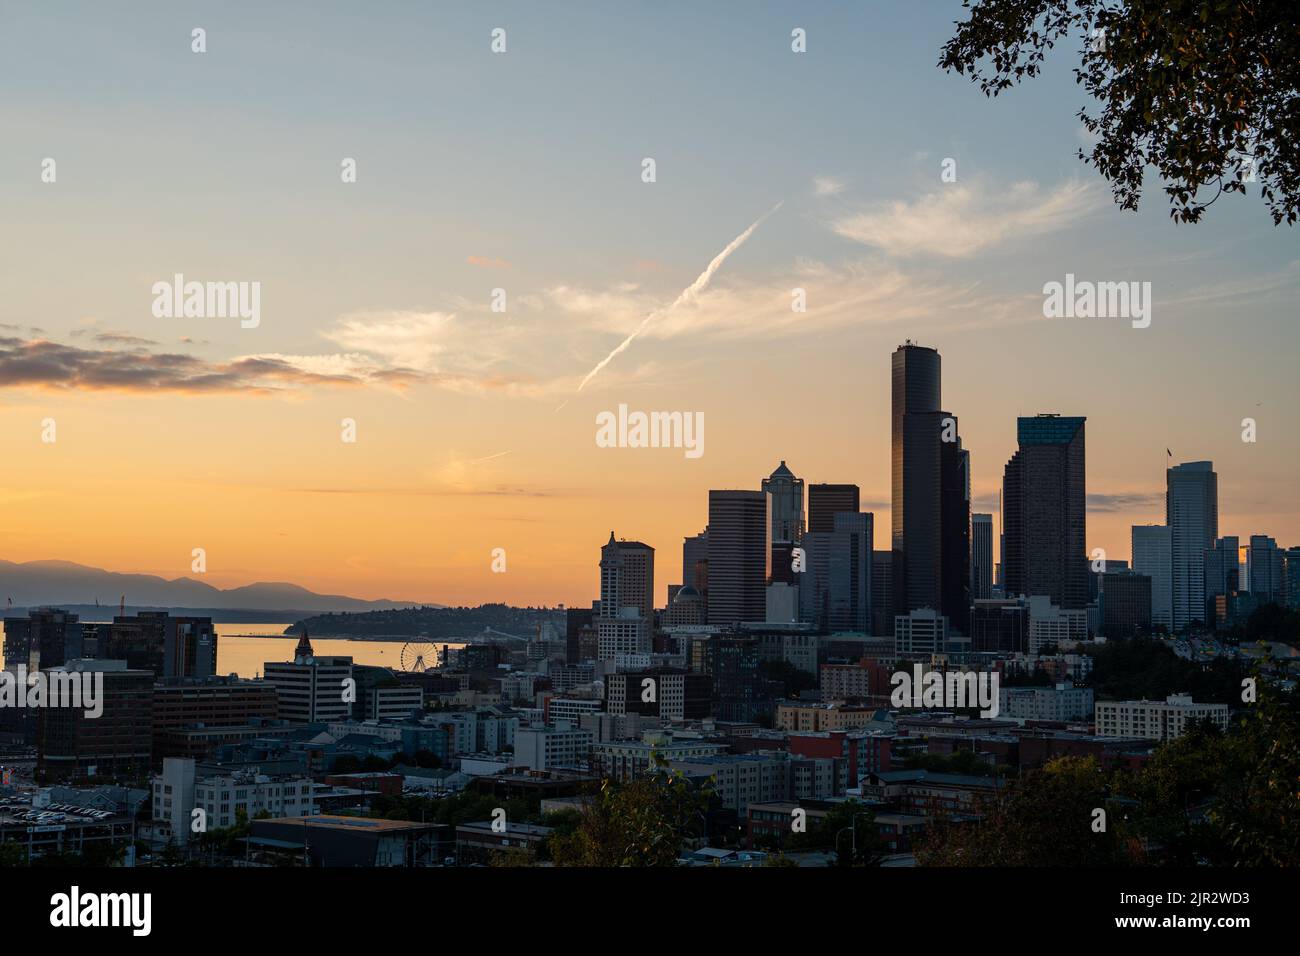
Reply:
x=981, y=557
x=695, y=564
x=835, y=590
x=1192, y=514
x=1265, y=565
x=1044, y=513
x=627, y=578
x=915, y=491
x=1222, y=577
x=825, y=501
x=786, y=515
x=954, y=529
x=929, y=492
x=1153, y=556
x=739, y=556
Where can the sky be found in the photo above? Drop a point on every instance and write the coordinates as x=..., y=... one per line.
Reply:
x=522, y=171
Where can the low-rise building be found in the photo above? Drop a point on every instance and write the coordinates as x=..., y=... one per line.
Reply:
x=1156, y=720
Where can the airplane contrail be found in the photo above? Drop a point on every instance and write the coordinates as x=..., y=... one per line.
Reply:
x=690, y=292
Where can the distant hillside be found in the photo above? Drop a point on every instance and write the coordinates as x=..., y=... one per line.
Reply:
x=437, y=623
x=63, y=583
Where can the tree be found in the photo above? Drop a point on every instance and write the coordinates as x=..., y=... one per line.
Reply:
x=1206, y=91
x=1045, y=818
x=847, y=826
x=642, y=823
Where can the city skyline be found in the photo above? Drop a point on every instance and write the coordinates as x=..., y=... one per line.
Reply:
x=473, y=429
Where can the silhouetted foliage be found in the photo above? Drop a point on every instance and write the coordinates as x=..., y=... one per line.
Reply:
x=641, y=823
x=1142, y=669
x=1205, y=91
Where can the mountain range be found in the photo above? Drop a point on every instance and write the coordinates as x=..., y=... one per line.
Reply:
x=66, y=584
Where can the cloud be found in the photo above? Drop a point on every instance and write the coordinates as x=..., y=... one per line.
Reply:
x=690, y=294
x=961, y=220
x=487, y=263
x=827, y=186
x=1126, y=501
x=50, y=365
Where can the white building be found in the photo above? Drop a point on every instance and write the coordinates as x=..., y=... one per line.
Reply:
x=312, y=688
x=552, y=748
x=393, y=703
x=173, y=798
x=177, y=792
x=1153, y=556
x=924, y=631
x=629, y=633
x=1050, y=625
x=1156, y=720
x=570, y=710
x=1060, y=703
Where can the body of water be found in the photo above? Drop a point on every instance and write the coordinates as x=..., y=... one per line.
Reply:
x=241, y=651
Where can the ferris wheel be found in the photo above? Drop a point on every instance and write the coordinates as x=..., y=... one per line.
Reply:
x=419, y=656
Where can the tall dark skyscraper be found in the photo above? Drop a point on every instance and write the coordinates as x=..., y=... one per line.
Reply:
x=1192, y=514
x=954, y=530
x=1044, y=512
x=929, y=492
x=695, y=564
x=825, y=501
x=739, y=556
x=981, y=557
x=914, y=476
x=835, y=591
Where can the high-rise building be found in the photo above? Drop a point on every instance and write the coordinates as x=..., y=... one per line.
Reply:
x=785, y=508
x=46, y=637
x=695, y=564
x=882, y=593
x=1291, y=577
x=74, y=745
x=915, y=489
x=929, y=492
x=168, y=646
x=835, y=590
x=1000, y=626
x=1222, y=576
x=627, y=578
x=575, y=619
x=954, y=525
x=1265, y=565
x=739, y=556
x=1153, y=557
x=629, y=634
x=1192, y=514
x=981, y=557
x=310, y=688
x=1125, y=599
x=1044, y=514
x=825, y=501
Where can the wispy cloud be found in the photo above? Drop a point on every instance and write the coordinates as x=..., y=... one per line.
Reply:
x=689, y=294
x=53, y=366
x=1125, y=501
x=960, y=220
x=827, y=186
x=487, y=263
